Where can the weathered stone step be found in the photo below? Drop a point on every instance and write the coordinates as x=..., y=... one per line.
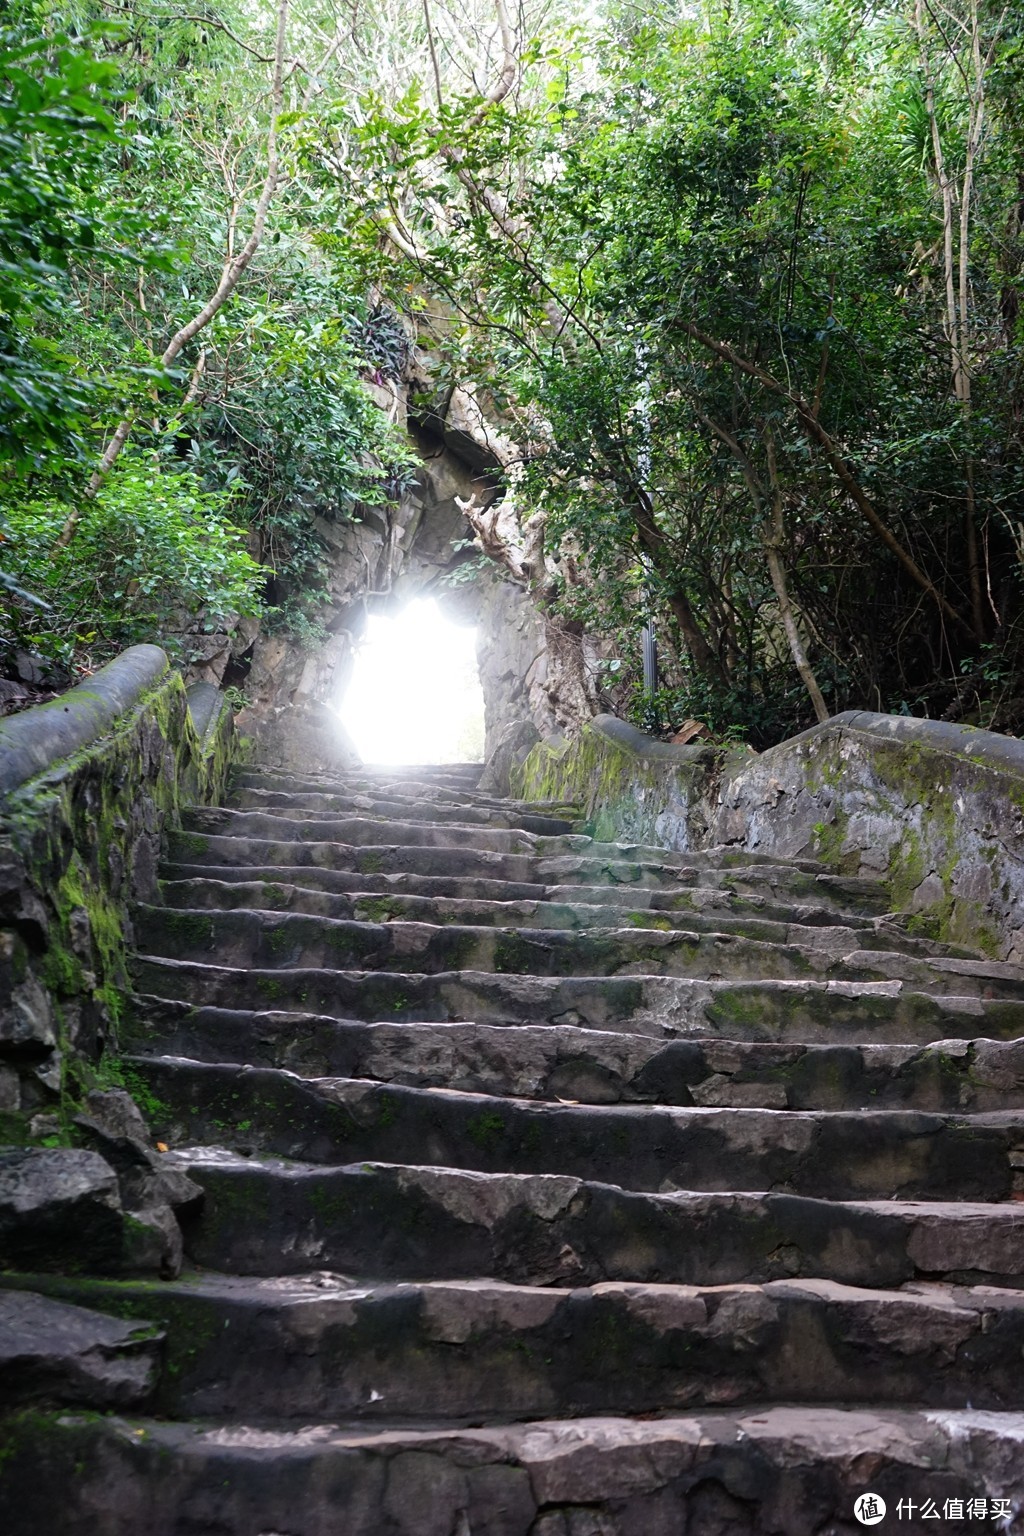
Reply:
x=431, y=771
x=369, y=831
x=363, y=832
x=385, y=858
x=400, y=791
x=307, y=1347
x=225, y=896
x=299, y=807
x=684, y=895
x=594, y=1066
x=593, y=869
x=806, y=1011
x=243, y=937
x=866, y=1154
x=264, y=1216
x=766, y=1471
x=457, y=775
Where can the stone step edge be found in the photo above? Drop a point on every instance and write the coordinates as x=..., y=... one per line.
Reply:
x=340, y=1090
x=798, y=913
x=745, y=1330
x=581, y=845
x=562, y=1186
x=787, y=1469
x=317, y=880
x=726, y=1064
x=699, y=987
x=819, y=938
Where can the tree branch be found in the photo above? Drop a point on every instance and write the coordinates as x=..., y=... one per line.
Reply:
x=234, y=267
x=816, y=433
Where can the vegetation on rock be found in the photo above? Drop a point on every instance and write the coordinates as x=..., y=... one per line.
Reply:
x=741, y=286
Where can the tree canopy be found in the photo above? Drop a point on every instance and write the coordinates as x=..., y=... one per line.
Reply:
x=740, y=282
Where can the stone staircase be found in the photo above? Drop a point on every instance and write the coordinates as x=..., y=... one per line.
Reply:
x=556, y=1188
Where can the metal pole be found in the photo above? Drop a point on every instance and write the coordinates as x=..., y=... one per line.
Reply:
x=650, y=644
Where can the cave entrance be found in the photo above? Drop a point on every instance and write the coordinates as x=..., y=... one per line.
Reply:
x=414, y=693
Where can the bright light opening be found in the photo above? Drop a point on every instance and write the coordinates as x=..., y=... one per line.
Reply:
x=415, y=696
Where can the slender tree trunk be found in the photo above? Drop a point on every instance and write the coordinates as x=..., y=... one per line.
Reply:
x=773, y=545
x=234, y=266
x=774, y=538
x=956, y=258
x=651, y=541
x=816, y=433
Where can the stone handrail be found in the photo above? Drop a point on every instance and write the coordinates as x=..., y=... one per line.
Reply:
x=32, y=741
x=632, y=787
x=935, y=810
x=88, y=783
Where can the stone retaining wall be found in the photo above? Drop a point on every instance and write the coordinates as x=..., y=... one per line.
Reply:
x=634, y=789
x=936, y=810
x=87, y=784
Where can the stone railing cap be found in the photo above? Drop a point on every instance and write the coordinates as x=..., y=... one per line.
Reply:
x=31, y=742
x=628, y=737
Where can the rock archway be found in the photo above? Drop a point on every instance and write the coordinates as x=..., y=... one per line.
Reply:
x=411, y=547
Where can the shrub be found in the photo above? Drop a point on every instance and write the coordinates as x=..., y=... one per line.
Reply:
x=153, y=554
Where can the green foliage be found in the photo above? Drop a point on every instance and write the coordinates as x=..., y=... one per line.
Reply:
x=58, y=208
x=129, y=155
x=697, y=261
x=152, y=554
x=759, y=178
x=284, y=420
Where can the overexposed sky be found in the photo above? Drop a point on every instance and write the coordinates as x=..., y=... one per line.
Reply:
x=415, y=693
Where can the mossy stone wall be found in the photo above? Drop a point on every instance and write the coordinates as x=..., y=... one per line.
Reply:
x=79, y=842
x=633, y=789
x=936, y=811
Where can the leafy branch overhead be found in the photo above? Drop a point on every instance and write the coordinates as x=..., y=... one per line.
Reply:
x=748, y=286
x=737, y=291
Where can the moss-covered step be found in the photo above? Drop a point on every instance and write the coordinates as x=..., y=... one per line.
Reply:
x=299, y=807
x=327, y=1347
x=268, y=1216
x=593, y=1066
x=243, y=937
x=616, y=869
x=580, y=917
x=766, y=1471
x=368, y=831
x=699, y=900
x=864, y=1154
x=660, y=1007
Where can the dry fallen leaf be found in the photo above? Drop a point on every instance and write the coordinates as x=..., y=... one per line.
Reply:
x=688, y=731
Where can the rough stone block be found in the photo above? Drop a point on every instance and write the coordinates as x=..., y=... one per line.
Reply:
x=54, y=1353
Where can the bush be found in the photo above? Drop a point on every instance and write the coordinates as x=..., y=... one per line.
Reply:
x=151, y=555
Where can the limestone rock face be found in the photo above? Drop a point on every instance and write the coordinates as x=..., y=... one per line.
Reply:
x=150, y=1191
x=71, y=1208
x=511, y=748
